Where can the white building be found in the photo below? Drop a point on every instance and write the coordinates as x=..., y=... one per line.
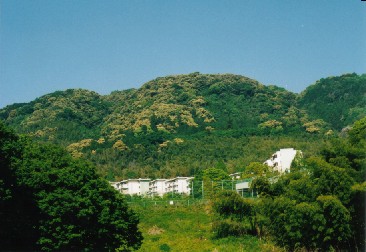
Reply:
x=281, y=160
x=236, y=175
x=179, y=185
x=243, y=186
x=133, y=186
x=157, y=187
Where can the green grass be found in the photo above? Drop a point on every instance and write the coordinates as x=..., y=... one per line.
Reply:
x=172, y=228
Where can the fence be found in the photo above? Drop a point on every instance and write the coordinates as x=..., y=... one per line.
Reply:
x=199, y=191
x=145, y=202
x=203, y=189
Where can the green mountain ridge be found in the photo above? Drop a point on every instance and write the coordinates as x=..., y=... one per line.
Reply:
x=337, y=100
x=158, y=129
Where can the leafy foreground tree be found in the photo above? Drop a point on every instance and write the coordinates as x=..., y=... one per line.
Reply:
x=318, y=207
x=50, y=201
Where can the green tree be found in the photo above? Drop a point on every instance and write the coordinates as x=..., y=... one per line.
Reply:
x=255, y=169
x=295, y=225
x=18, y=209
x=357, y=134
x=357, y=210
x=330, y=180
x=73, y=208
x=261, y=186
x=215, y=174
x=235, y=215
x=213, y=179
x=337, y=230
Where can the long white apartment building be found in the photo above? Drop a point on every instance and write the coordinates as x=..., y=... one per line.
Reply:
x=132, y=186
x=157, y=187
x=179, y=185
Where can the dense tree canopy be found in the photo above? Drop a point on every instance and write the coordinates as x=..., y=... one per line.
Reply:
x=153, y=130
x=338, y=100
x=318, y=206
x=51, y=201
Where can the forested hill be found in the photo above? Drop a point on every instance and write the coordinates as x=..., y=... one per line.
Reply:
x=339, y=101
x=178, y=124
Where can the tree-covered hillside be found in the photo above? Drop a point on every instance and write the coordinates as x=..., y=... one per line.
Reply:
x=59, y=117
x=339, y=101
x=197, y=102
x=176, y=125
x=318, y=206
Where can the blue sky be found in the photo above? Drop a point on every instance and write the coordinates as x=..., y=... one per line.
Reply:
x=49, y=45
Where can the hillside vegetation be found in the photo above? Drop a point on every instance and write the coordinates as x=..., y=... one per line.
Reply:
x=178, y=125
x=50, y=201
x=189, y=228
x=318, y=206
x=339, y=101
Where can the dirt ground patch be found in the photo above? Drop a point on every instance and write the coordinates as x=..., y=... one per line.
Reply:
x=155, y=230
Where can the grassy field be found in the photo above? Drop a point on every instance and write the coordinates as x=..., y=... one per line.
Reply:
x=188, y=228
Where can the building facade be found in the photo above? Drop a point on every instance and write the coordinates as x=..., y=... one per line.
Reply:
x=157, y=187
x=281, y=160
x=178, y=185
x=133, y=186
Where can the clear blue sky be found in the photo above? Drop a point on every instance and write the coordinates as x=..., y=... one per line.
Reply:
x=104, y=45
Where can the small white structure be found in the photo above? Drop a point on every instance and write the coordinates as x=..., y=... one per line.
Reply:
x=134, y=186
x=281, y=160
x=157, y=187
x=244, y=185
x=180, y=185
x=235, y=175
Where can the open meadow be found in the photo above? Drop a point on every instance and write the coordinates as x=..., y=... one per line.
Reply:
x=188, y=228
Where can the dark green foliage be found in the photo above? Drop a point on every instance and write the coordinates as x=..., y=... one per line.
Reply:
x=330, y=180
x=357, y=135
x=18, y=209
x=216, y=116
x=337, y=229
x=295, y=225
x=236, y=216
x=59, y=117
x=54, y=202
x=357, y=208
x=318, y=206
x=261, y=185
x=165, y=247
x=227, y=227
x=339, y=101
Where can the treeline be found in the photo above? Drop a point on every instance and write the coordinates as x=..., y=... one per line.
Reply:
x=171, y=124
x=320, y=205
x=339, y=101
x=189, y=156
x=50, y=201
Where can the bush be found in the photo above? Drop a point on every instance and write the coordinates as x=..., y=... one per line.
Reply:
x=225, y=228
